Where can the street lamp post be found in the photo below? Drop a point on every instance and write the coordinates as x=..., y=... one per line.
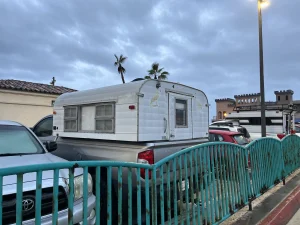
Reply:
x=260, y=4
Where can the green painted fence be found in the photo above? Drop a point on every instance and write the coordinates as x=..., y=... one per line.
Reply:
x=204, y=184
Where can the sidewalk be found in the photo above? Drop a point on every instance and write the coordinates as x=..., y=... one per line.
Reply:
x=296, y=219
x=278, y=206
x=285, y=210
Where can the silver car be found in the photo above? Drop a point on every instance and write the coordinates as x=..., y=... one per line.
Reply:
x=20, y=147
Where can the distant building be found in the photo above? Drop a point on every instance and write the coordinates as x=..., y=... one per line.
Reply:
x=252, y=102
x=27, y=102
x=224, y=106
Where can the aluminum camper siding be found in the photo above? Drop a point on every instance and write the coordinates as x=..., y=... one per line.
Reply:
x=123, y=95
x=157, y=112
x=151, y=118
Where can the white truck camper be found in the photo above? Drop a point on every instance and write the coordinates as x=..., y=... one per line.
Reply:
x=139, y=111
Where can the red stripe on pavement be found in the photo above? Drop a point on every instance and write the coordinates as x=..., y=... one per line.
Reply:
x=284, y=211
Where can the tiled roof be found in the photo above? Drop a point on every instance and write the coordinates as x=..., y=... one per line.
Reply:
x=33, y=87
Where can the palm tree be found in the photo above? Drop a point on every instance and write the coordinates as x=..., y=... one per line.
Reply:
x=157, y=72
x=121, y=69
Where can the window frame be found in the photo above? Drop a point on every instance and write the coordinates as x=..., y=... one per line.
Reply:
x=71, y=118
x=39, y=124
x=186, y=114
x=104, y=118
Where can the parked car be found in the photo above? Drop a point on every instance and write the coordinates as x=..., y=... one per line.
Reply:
x=230, y=126
x=227, y=136
x=20, y=147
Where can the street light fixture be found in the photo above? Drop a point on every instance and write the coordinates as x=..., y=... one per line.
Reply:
x=262, y=4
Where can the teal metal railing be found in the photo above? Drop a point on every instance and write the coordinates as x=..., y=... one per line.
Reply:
x=204, y=184
x=267, y=168
x=291, y=153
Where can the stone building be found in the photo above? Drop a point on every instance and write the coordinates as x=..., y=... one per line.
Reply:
x=252, y=102
x=224, y=106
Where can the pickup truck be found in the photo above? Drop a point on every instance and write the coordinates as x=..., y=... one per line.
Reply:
x=140, y=122
x=20, y=147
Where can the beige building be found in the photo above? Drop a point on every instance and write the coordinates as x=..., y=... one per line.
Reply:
x=27, y=102
x=252, y=102
x=224, y=106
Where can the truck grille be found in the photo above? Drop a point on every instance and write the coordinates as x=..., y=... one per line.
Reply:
x=10, y=203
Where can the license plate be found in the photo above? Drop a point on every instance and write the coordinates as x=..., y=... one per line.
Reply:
x=183, y=185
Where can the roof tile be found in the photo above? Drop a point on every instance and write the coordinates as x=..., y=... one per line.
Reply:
x=34, y=87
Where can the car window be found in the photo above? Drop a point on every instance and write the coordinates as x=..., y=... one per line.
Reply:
x=215, y=137
x=44, y=128
x=211, y=137
x=297, y=129
x=18, y=140
x=240, y=139
x=220, y=137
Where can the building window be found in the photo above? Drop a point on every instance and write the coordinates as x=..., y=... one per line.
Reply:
x=70, y=118
x=181, y=113
x=278, y=98
x=52, y=103
x=224, y=114
x=219, y=115
x=287, y=97
x=105, y=118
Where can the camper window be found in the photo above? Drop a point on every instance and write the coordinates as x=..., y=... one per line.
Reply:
x=181, y=113
x=70, y=118
x=105, y=118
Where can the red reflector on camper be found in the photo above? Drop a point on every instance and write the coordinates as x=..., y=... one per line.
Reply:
x=146, y=157
x=54, y=113
x=132, y=107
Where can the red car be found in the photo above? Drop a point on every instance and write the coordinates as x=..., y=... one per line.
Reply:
x=227, y=136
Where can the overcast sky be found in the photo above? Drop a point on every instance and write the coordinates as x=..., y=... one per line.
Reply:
x=210, y=45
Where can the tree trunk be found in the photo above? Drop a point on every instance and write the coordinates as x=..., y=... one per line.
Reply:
x=122, y=76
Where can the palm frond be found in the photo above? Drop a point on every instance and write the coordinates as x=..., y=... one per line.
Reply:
x=165, y=73
x=120, y=69
x=116, y=57
x=155, y=66
x=116, y=63
x=122, y=60
x=123, y=69
x=147, y=77
x=151, y=72
x=162, y=77
x=161, y=69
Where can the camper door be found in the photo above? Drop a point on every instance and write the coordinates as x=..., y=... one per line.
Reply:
x=180, y=117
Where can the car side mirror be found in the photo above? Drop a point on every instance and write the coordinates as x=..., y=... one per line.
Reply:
x=50, y=146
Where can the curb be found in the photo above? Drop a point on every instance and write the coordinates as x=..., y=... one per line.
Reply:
x=285, y=210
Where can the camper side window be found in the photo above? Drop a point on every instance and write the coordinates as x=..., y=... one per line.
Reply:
x=70, y=118
x=105, y=118
x=181, y=113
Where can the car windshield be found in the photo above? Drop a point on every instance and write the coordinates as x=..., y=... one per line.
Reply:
x=240, y=139
x=17, y=140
